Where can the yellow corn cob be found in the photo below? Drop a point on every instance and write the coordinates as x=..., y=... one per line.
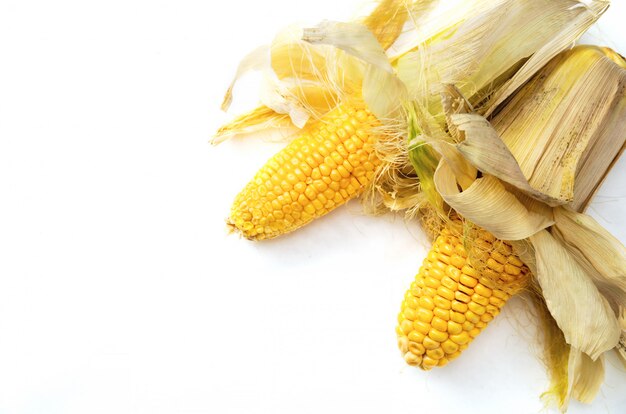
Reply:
x=456, y=294
x=327, y=165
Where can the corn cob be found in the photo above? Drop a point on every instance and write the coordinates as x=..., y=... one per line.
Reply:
x=327, y=165
x=456, y=293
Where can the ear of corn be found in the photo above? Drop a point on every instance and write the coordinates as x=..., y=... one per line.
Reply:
x=327, y=165
x=456, y=293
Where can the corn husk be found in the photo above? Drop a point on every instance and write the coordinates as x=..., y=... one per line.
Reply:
x=434, y=73
x=472, y=44
x=574, y=129
x=579, y=267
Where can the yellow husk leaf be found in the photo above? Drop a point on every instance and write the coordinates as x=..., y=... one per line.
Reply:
x=565, y=126
x=387, y=21
x=556, y=356
x=353, y=38
x=260, y=119
x=621, y=348
x=486, y=151
x=258, y=59
x=488, y=204
x=587, y=376
x=583, y=314
x=601, y=255
x=382, y=91
x=477, y=47
x=474, y=47
x=579, y=16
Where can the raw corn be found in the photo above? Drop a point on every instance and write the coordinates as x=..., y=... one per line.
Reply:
x=456, y=293
x=328, y=164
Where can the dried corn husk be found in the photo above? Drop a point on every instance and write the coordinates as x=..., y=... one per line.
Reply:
x=579, y=267
x=476, y=54
x=574, y=128
x=420, y=38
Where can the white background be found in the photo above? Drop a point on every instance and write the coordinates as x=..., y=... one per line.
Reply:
x=120, y=291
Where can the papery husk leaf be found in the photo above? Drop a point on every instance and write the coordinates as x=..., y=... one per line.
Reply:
x=454, y=103
x=387, y=21
x=316, y=77
x=276, y=95
x=621, y=349
x=383, y=93
x=572, y=20
x=600, y=254
x=292, y=58
x=488, y=204
x=583, y=314
x=451, y=56
x=596, y=162
x=434, y=18
x=587, y=376
x=502, y=34
x=565, y=126
x=353, y=38
x=555, y=356
x=259, y=119
x=498, y=37
x=258, y=59
x=307, y=88
x=485, y=150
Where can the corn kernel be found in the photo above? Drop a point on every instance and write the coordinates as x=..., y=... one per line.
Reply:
x=454, y=328
x=441, y=302
x=476, y=308
x=483, y=291
x=460, y=339
x=415, y=336
x=420, y=327
x=459, y=306
x=429, y=363
x=403, y=344
x=430, y=343
x=406, y=327
x=424, y=315
x=442, y=313
x=468, y=281
x=457, y=317
x=412, y=359
x=439, y=324
x=426, y=302
x=437, y=335
x=436, y=353
x=449, y=347
x=445, y=293
x=416, y=348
